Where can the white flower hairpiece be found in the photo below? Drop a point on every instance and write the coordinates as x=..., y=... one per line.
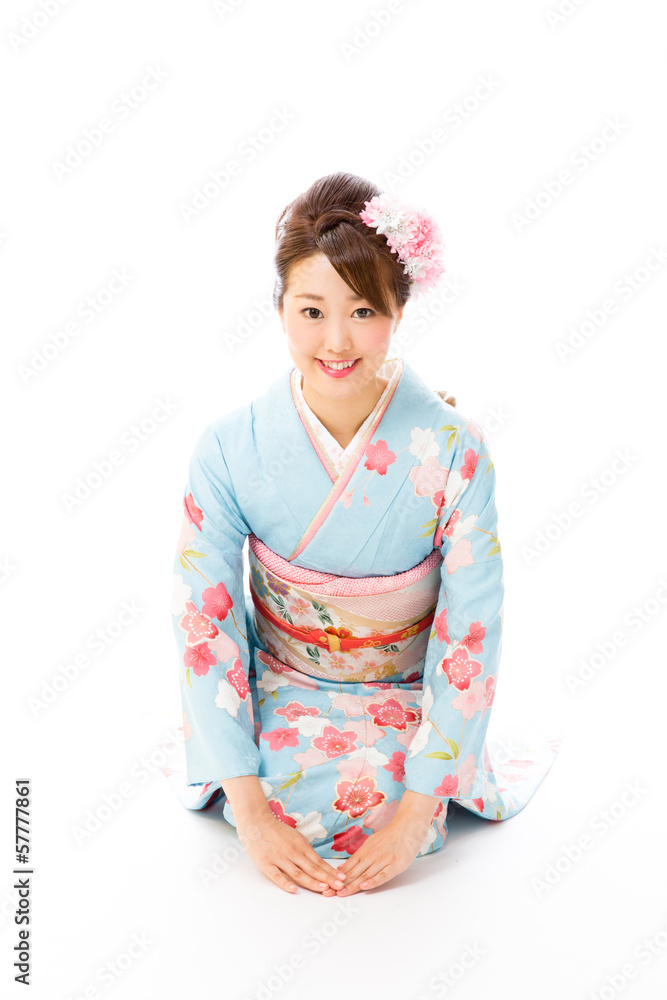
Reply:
x=411, y=234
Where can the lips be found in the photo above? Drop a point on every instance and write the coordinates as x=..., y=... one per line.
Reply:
x=338, y=372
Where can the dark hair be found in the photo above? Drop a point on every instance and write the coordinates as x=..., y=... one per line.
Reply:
x=325, y=219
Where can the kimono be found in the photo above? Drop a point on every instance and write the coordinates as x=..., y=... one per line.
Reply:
x=362, y=657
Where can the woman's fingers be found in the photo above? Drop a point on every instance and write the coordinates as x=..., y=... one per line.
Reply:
x=297, y=874
x=374, y=875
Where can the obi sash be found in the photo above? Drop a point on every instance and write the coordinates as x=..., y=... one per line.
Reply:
x=344, y=628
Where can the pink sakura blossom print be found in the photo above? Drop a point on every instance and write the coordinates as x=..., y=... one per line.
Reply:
x=279, y=738
x=295, y=710
x=216, y=602
x=350, y=840
x=196, y=625
x=278, y=810
x=429, y=478
x=334, y=742
x=440, y=626
x=460, y=669
x=473, y=639
x=396, y=765
x=192, y=511
x=468, y=468
x=449, y=786
x=355, y=798
x=392, y=713
x=459, y=555
x=379, y=457
x=237, y=678
x=199, y=658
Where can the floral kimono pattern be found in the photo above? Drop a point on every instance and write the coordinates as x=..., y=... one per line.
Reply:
x=335, y=734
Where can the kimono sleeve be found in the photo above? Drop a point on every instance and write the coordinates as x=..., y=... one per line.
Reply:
x=447, y=755
x=208, y=615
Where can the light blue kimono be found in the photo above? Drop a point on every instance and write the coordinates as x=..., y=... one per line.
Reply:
x=422, y=477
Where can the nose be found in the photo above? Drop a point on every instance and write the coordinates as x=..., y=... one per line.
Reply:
x=338, y=339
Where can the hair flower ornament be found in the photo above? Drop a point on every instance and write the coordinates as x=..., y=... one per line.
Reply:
x=411, y=234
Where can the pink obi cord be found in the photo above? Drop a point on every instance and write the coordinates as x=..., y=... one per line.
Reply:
x=341, y=586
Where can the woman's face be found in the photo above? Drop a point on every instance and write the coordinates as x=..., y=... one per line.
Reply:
x=325, y=321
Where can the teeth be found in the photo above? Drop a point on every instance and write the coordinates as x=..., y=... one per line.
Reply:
x=337, y=365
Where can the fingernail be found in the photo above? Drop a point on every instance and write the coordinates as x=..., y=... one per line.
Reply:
x=338, y=883
x=324, y=885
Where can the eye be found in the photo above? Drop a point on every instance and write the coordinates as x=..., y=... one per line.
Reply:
x=309, y=309
x=364, y=309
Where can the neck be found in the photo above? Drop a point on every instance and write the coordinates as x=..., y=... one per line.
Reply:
x=343, y=417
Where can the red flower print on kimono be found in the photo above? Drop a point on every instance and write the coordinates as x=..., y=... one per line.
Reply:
x=379, y=457
x=196, y=626
x=396, y=765
x=467, y=470
x=460, y=669
x=440, y=626
x=355, y=797
x=199, y=658
x=449, y=786
x=295, y=709
x=392, y=713
x=473, y=640
x=278, y=810
x=349, y=840
x=216, y=602
x=192, y=511
x=334, y=742
x=279, y=738
x=237, y=678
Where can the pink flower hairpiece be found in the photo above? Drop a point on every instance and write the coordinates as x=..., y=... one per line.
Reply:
x=411, y=234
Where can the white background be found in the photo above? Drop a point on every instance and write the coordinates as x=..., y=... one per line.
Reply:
x=361, y=98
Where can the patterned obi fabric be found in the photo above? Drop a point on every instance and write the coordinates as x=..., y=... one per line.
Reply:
x=364, y=629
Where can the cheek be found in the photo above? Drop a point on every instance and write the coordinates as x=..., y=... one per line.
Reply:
x=378, y=334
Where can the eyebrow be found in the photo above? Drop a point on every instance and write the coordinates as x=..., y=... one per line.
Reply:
x=320, y=298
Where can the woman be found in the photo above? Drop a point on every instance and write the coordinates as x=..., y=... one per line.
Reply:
x=348, y=694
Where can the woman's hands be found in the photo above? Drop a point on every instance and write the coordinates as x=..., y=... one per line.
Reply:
x=393, y=849
x=285, y=855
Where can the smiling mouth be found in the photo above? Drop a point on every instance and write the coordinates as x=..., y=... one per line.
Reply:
x=339, y=363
